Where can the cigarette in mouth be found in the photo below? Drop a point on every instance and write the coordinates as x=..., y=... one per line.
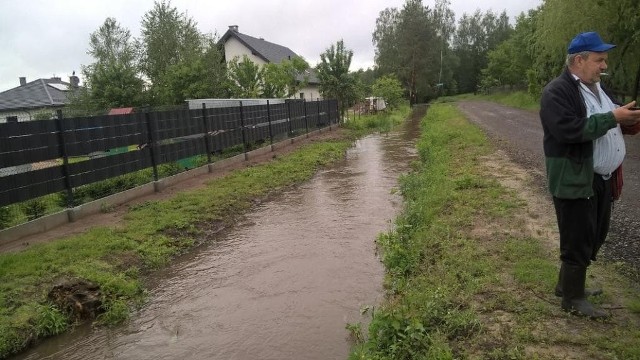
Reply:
x=604, y=74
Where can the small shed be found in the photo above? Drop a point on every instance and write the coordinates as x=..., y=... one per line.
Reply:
x=121, y=111
x=375, y=104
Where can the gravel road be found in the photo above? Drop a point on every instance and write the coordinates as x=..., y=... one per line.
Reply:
x=519, y=133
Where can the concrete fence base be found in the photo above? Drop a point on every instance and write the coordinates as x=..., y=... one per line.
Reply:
x=51, y=221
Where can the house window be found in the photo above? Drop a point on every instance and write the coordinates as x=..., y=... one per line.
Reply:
x=301, y=95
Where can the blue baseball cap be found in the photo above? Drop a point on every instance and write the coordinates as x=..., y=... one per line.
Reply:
x=588, y=41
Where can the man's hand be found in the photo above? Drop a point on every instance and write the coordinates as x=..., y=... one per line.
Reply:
x=625, y=116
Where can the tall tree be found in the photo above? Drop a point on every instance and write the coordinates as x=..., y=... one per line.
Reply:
x=335, y=80
x=417, y=48
x=445, y=27
x=246, y=78
x=284, y=79
x=475, y=37
x=384, y=39
x=112, y=80
x=617, y=22
x=203, y=75
x=410, y=41
x=216, y=68
x=624, y=29
x=389, y=88
x=366, y=78
x=512, y=59
x=168, y=37
x=111, y=42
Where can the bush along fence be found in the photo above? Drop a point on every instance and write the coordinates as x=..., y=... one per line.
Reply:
x=44, y=157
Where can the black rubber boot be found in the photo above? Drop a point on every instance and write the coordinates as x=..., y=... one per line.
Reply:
x=573, y=297
x=587, y=292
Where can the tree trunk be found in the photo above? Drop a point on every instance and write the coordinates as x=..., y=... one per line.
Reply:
x=413, y=99
x=636, y=84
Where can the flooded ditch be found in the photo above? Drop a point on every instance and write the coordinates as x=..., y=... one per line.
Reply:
x=281, y=285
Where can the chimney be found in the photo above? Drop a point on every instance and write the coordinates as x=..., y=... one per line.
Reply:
x=74, y=81
x=23, y=81
x=233, y=28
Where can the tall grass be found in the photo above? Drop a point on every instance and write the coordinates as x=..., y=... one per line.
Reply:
x=517, y=99
x=465, y=279
x=382, y=121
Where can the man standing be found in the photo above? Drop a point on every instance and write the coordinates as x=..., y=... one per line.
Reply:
x=583, y=147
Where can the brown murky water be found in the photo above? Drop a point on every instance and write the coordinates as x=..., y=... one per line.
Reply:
x=281, y=285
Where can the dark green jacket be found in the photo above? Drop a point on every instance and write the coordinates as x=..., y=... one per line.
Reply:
x=568, y=137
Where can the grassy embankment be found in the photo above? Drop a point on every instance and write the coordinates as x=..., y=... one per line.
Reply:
x=467, y=279
x=150, y=235
x=518, y=99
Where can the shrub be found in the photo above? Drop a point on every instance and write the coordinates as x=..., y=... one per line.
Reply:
x=5, y=217
x=34, y=208
x=389, y=88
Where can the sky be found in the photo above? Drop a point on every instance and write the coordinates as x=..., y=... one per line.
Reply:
x=46, y=38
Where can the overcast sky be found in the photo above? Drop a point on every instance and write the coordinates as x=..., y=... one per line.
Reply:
x=43, y=38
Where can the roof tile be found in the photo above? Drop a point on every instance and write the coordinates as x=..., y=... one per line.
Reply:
x=34, y=94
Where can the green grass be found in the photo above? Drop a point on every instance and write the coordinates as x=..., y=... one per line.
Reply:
x=455, y=292
x=152, y=233
x=19, y=213
x=517, y=99
x=381, y=121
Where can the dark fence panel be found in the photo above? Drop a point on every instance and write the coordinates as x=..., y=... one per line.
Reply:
x=256, y=123
x=29, y=185
x=334, y=115
x=101, y=134
x=87, y=172
x=176, y=124
x=324, y=118
x=225, y=127
x=312, y=114
x=180, y=149
x=38, y=158
x=28, y=142
x=298, y=120
x=279, y=120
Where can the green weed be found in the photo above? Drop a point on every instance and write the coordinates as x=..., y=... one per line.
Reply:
x=382, y=121
x=50, y=321
x=34, y=208
x=517, y=99
x=355, y=332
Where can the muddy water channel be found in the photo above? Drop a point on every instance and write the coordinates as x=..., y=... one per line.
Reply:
x=281, y=285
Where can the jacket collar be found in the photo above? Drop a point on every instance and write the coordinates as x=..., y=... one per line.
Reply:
x=568, y=76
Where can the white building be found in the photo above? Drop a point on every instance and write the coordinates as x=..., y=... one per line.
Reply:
x=260, y=52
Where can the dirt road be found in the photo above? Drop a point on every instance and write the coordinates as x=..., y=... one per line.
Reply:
x=519, y=133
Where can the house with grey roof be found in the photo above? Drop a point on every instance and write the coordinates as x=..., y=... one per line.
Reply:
x=261, y=52
x=38, y=99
